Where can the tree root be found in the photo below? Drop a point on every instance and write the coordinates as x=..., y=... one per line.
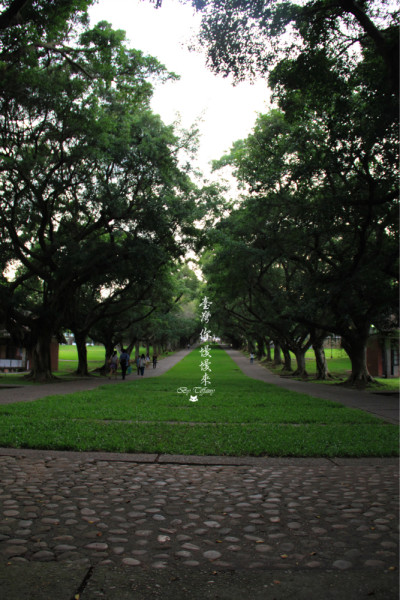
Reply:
x=325, y=377
x=42, y=379
x=360, y=383
x=300, y=374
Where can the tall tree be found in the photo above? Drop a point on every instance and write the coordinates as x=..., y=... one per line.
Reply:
x=88, y=177
x=113, y=301
x=246, y=38
x=322, y=174
x=322, y=210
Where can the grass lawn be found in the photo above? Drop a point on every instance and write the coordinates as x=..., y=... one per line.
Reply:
x=68, y=358
x=68, y=363
x=243, y=417
x=339, y=365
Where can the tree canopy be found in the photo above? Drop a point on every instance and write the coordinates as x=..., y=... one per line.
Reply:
x=93, y=199
x=313, y=245
x=247, y=38
x=97, y=211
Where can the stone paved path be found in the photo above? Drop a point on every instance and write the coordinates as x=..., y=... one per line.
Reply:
x=274, y=514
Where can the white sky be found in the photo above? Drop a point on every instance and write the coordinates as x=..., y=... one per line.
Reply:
x=227, y=113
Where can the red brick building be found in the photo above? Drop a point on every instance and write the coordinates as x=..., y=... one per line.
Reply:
x=383, y=355
x=16, y=358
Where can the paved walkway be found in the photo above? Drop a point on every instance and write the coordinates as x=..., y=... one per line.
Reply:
x=27, y=393
x=382, y=405
x=101, y=525
x=273, y=521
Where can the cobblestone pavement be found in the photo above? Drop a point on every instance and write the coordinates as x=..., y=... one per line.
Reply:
x=273, y=514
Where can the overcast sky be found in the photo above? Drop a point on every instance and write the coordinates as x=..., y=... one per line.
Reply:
x=227, y=113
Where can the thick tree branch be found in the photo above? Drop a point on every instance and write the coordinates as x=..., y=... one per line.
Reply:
x=12, y=16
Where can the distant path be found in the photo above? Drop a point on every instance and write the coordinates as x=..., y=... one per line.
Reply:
x=27, y=393
x=380, y=405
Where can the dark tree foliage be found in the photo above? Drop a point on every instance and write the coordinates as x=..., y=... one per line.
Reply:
x=315, y=245
x=248, y=37
x=318, y=233
x=90, y=186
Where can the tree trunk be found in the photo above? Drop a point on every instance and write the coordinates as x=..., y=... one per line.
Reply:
x=356, y=348
x=277, y=354
x=287, y=366
x=317, y=337
x=130, y=347
x=260, y=348
x=320, y=359
x=80, y=340
x=300, y=371
x=109, y=347
x=41, y=357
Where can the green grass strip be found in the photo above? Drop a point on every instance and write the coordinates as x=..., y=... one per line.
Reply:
x=243, y=417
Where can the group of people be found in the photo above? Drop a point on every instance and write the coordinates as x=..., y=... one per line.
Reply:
x=124, y=361
x=142, y=362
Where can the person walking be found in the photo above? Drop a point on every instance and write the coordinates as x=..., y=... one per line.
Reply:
x=124, y=362
x=154, y=361
x=251, y=358
x=113, y=363
x=142, y=364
